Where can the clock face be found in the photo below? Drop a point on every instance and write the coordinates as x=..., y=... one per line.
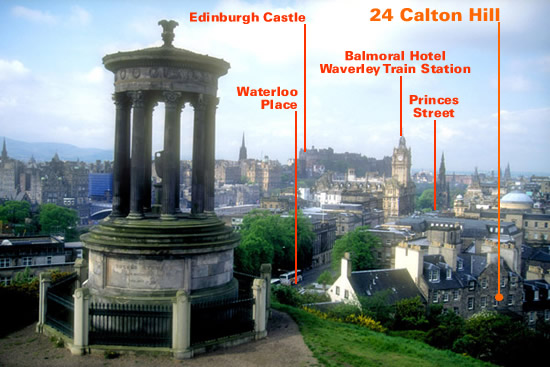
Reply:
x=400, y=157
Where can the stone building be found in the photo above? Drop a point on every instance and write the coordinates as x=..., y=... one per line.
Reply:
x=38, y=253
x=462, y=277
x=536, y=306
x=10, y=169
x=399, y=190
x=266, y=173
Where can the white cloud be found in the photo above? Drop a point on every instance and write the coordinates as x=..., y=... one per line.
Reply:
x=79, y=16
x=11, y=70
x=33, y=15
x=94, y=76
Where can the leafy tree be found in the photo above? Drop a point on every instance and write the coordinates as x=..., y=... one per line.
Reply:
x=15, y=212
x=410, y=314
x=450, y=328
x=325, y=278
x=378, y=307
x=496, y=338
x=426, y=200
x=268, y=238
x=360, y=243
x=55, y=218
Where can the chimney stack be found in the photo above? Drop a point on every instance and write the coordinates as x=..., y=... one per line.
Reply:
x=346, y=265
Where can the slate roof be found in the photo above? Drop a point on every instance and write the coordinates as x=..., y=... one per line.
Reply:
x=398, y=281
x=471, y=228
x=432, y=262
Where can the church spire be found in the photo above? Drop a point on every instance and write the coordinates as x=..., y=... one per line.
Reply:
x=4, y=151
x=242, y=151
x=442, y=165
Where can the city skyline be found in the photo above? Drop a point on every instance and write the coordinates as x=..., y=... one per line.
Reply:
x=57, y=90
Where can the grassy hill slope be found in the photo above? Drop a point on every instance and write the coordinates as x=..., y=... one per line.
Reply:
x=339, y=344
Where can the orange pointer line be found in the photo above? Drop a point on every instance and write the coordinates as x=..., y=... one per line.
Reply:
x=296, y=197
x=435, y=170
x=499, y=296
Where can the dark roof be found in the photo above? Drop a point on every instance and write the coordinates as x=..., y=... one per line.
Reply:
x=473, y=264
x=536, y=254
x=437, y=262
x=471, y=228
x=537, y=216
x=397, y=281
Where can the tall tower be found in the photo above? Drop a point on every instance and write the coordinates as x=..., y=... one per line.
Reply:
x=399, y=190
x=242, y=151
x=443, y=192
x=4, y=152
x=401, y=163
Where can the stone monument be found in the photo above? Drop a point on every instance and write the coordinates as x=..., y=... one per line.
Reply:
x=137, y=255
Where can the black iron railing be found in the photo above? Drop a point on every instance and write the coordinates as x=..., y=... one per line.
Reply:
x=215, y=320
x=131, y=325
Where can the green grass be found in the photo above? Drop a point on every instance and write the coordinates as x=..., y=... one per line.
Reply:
x=339, y=344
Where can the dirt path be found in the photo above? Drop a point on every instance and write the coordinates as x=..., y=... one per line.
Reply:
x=284, y=346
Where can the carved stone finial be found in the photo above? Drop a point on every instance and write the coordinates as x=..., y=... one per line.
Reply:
x=168, y=31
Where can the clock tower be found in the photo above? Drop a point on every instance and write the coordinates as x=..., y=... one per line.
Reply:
x=399, y=189
x=401, y=163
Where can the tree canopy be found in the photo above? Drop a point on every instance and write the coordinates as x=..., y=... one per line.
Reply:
x=269, y=238
x=54, y=219
x=360, y=243
x=426, y=200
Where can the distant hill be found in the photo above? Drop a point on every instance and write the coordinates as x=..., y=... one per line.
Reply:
x=45, y=151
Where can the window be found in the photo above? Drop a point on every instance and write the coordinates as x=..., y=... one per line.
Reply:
x=513, y=281
x=503, y=283
x=526, y=224
x=483, y=302
x=484, y=283
x=531, y=317
x=48, y=260
x=536, y=296
x=449, y=273
x=4, y=262
x=460, y=264
x=346, y=294
x=337, y=290
x=455, y=309
x=535, y=236
x=434, y=275
x=5, y=280
x=470, y=303
x=545, y=224
x=510, y=299
x=495, y=303
x=455, y=295
x=26, y=261
x=471, y=285
x=445, y=296
x=435, y=297
x=546, y=315
x=536, y=224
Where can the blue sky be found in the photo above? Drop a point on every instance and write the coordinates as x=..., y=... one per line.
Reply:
x=54, y=87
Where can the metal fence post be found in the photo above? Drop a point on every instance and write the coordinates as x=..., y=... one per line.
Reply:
x=259, y=290
x=265, y=273
x=81, y=321
x=45, y=282
x=181, y=326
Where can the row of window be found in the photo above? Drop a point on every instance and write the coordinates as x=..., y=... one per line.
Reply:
x=536, y=224
x=5, y=262
x=346, y=292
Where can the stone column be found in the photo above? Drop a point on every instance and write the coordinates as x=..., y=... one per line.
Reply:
x=210, y=153
x=149, y=107
x=81, y=316
x=81, y=268
x=171, y=156
x=121, y=172
x=181, y=325
x=259, y=314
x=137, y=174
x=265, y=273
x=198, y=183
x=45, y=282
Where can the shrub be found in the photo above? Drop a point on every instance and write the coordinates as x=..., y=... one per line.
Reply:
x=286, y=295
